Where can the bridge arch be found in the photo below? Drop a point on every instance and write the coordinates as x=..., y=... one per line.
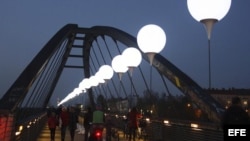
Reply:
x=65, y=37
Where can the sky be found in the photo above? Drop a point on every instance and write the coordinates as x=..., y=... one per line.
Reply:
x=27, y=25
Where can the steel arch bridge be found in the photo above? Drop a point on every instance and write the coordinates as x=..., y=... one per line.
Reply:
x=39, y=78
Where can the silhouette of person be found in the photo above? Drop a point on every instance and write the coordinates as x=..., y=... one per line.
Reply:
x=98, y=120
x=108, y=124
x=73, y=120
x=235, y=114
x=52, y=123
x=64, y=118
x=98, y=116
x=87, y=119
x=133, y=116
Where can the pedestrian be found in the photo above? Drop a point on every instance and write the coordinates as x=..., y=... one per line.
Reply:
x=133, y=116
x=64, y=122
x=98, y=121
x=87, y=120
x=52, y=123
x=235, y=114
x=98, y=116
x=108, y=124
x=73, y=120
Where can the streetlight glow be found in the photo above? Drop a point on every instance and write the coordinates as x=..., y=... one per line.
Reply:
x=208, y=9
x=151, y=39
x=106, y=72
x=118, y=65
x=132, y=58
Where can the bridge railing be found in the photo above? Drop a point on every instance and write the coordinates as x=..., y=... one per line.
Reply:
x=176, y=130
x=31, y=128
x=12, y=129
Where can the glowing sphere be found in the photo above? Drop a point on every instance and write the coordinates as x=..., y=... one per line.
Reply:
x=84, y=84
x=118, y=64
x=106, y=72
x=151, y=38
x=132, y=57
x=93, y=81
x=208, y=9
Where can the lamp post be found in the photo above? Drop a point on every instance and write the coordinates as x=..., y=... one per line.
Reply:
x=208, y=12
x=132, y=58
x=151, y=39
x=119, y=67
x=105, y=73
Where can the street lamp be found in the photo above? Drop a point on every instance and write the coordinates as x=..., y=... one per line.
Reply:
x=208, y=12
x=118, y=65
x=151, y=39
x=132, y=58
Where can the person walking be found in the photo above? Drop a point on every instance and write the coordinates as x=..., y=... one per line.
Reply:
x=52, y=123
x=87, y=120
x=235, y=114
x=73, y=120
x=108, y=124
x=133, y=116
x=64, y=122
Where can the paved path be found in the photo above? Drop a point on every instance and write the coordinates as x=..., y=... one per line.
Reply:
x=45, y=135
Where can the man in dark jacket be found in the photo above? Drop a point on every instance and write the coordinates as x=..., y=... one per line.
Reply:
x=86, y=123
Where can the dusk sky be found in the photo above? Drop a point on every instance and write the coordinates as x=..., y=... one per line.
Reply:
x=27, y=25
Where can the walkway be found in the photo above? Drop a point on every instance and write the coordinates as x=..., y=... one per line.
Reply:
x=45, y=136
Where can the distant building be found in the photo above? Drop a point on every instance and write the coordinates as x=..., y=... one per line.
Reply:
x=224, y=96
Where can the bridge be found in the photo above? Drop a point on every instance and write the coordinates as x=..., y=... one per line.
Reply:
x=26, y=101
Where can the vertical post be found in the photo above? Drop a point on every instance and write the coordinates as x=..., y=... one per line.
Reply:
x=209, y=65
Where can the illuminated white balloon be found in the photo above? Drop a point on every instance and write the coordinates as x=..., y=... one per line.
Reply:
x=106, y=72
x=119, y=65
x=208, y=9
x=93, y=81
x=132, y=57
x=99, y=77
x=84, y=84
x=208, y=12
x=151, y=39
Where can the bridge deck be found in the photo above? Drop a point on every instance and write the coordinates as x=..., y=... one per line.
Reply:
x=45, y=135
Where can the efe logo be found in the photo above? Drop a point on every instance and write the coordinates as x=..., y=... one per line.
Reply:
x=236, y=132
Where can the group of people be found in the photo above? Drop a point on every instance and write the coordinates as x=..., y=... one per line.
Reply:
x=97, y=118
x=65, y=118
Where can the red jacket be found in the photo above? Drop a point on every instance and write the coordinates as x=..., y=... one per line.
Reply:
x=52, y=122
x=133, y=119
x=64, y=118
